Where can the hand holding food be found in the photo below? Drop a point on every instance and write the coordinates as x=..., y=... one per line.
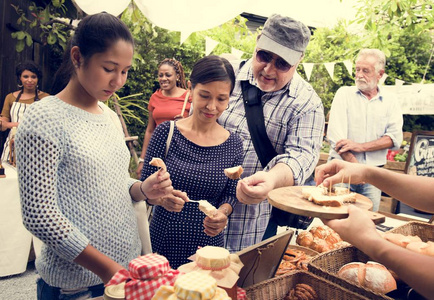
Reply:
x=158, y=162
x=174, y=201
x=215, y=223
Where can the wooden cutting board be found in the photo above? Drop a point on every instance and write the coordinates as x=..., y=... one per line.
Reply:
x=289, y=199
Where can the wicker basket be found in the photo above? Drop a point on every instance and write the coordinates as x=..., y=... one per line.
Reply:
x=423, y=230
x=327, y=265
x=277, y=288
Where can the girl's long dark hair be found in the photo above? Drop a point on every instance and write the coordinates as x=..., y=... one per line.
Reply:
x=94, y=34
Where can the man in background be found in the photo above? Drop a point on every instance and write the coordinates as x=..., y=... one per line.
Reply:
x=365, y=121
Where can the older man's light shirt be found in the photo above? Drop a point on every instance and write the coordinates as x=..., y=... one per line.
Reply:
x=356, y=118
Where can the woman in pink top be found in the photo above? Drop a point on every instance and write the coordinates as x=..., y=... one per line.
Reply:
x=167, y=103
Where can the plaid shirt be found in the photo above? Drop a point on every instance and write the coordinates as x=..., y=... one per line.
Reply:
x=294, y=119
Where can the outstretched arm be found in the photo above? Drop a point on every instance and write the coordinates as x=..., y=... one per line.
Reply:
x=415, y=191
x=413, y=268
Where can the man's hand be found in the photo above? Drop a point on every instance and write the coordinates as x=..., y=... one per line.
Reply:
x=345, y=145
x=254, y=189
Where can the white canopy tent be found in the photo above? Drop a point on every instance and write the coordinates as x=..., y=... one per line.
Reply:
x=195, y=15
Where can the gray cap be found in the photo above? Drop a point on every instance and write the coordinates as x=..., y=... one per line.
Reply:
x=285, y=37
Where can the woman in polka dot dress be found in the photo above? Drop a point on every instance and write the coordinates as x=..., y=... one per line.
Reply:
x=199, y=151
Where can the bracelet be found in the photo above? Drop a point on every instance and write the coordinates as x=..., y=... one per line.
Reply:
x=141, y=160
x=146, y=197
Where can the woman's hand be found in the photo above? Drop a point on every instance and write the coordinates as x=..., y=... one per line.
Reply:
x=215, y=224
x=157, y=185
x=337, y=171
x=175, y=201
x=139, y=169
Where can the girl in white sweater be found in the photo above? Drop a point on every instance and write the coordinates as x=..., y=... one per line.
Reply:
x=76, y=193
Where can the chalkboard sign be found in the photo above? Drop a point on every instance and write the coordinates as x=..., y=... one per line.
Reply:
x=421, y=154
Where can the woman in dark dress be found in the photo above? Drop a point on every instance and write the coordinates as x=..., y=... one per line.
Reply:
x=200, y=149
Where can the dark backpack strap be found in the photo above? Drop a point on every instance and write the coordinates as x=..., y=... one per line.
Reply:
x=255, y=120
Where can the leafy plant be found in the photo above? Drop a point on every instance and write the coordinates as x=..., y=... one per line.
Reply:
x=46, y=19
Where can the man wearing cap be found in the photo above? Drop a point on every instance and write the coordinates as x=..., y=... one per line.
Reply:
x=294, y=122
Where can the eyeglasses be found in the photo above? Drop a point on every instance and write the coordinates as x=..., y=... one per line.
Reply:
x=265, y=57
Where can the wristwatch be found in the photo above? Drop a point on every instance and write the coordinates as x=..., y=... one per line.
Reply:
x=141, y=160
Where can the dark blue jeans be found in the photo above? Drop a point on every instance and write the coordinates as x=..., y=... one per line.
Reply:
x=48, y=292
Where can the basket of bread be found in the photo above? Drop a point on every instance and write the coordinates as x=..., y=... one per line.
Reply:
x=415, y=236
x=295, y=258
x=354, y=270
x=299, y=285
x=320, y=239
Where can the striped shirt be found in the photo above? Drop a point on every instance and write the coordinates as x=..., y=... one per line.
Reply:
x=294, y=120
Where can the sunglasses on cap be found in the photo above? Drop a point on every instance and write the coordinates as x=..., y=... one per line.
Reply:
x=265, y=57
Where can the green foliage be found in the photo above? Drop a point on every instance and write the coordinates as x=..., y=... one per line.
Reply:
x=44, y=20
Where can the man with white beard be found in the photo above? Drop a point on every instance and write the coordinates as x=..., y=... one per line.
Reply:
x=365, y=121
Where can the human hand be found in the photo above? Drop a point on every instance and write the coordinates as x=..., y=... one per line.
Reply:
x=345, y=145
x=336, y=171
x=139, y=170
x=355, y=229
x=215, y=224
x=255, y=188
x=174, y=201
x=157, y=185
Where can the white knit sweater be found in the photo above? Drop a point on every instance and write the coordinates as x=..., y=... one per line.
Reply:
x=74, y=188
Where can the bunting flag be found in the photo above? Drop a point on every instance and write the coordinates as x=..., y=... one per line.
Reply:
x=184, y=36
x=308, y=69
x=236, y=52
x=330, y=67
x=383, y=79
x=349, y=65
x=399, y=82
x=210, y=44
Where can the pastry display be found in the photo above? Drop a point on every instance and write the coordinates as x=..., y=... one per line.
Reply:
x=321, y=239
x=410, y=242
x=372, y=275
x=234, y=172
x=293, y=259
x=302, y=291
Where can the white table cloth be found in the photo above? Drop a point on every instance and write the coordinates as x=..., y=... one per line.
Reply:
x=15, y=240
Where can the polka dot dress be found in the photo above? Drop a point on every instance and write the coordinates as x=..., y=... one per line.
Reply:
x=198, y=171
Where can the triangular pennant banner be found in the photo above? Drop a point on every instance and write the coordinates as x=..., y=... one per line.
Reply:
x=399, y=82
x=349, y=65
x=308, y=69
x=330, y=68
x=210, y=44
x=184, y=36
x=236, y=52
x=383, y=79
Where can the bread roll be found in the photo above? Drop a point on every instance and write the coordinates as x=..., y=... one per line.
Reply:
x=400, y=239
x=305, y=239
x=234, y=172
x=372, y=275
x=320, y=245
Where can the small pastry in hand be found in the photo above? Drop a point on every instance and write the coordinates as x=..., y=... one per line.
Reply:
x=207, y=208
x=158, y=162
x=234, y=172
